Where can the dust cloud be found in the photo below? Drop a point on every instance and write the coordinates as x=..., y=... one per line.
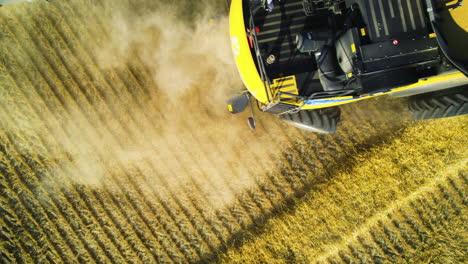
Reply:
x=177, y=135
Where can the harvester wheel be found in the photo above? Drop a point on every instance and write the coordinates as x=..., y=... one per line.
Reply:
x=321, y=120
x=446, y=103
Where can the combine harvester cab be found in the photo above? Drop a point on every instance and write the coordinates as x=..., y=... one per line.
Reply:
x=300, y=59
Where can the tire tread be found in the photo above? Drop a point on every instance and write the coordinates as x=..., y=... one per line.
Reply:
x=443, y=104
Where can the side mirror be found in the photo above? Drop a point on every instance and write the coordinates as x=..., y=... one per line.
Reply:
x=238, y=104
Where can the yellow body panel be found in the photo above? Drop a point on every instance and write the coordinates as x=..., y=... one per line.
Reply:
x=242, y=54
x=285, y=88
x=253, y=82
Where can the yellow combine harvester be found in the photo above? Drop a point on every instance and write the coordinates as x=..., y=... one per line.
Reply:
x=300, y=59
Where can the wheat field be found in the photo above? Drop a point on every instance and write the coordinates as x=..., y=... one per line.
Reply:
x=116, y=147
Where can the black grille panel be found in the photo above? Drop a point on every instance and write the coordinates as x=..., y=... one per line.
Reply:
x=387, y=18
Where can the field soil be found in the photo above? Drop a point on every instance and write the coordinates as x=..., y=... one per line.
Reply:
x=116, y=147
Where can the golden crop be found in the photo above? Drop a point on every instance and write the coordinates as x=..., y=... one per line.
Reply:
x=116, y=147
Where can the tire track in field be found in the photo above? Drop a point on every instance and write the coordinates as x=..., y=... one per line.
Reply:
x=404, y=232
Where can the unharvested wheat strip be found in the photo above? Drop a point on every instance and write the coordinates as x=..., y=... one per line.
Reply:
x=146, y=75
x=285, y=190
x=302, y=167
x=207, y=158
x=394, y=237
x=443, y=206
x=25, y=159
x=417, y=227
x=46, y=107
x=308, y=141
x=265, y=164
x=42, y=98
x=424, y=206
x=5, y=138
x=346, y=256
x=34, y=209
x=335, y=194
x=96, y=32
x=183, y=247
x=76, y=198
x=405, y=230
x=420, y=215
x=448, y=195
x=331, y=260
x=263, y=201
x=464, y=176
x=460, y=186
x=188, y=149
x=358, y=253
x=364, y=128
x=32, y=223
x=29, y=177
x=409, y=218
x=385, y=247
x=280, y=140
x=199, y=222
x=199, y=180
x=372, y=250
x=212, y=156
x=94, y=92
x=20, y=250
x=94, y=229
x=459, y=190
x=10, y=254
x=70, y=37
x=107, y=88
